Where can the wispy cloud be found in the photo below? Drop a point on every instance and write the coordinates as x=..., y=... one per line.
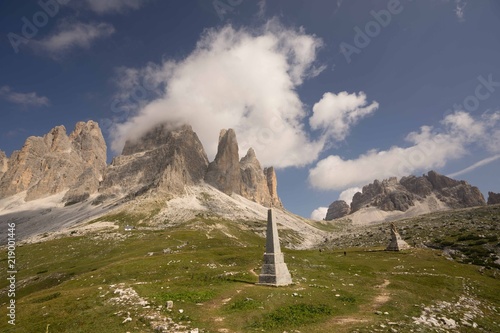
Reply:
x=73, y=35
x=339, y=3
x=429, y=148
x=25, y=99
x=14, y=132
x=114, y=6
x=475, y=165
x=460, y=9
x=262, y=4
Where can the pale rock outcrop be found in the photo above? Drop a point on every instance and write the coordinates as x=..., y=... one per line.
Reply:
x=57, y=162
x=253, y=180
x=163, y=160
x=337, y=209
x=455, y=193
x=258, y=185
x=390, y=195
x=224, y=172
x=87, y=139
x=244, y=177
x=420, y=186
x=493, y=198
x=3, y=163
x=272, y=185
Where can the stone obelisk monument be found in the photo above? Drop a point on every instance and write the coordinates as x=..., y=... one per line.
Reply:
x=397, y=243
x=274, y=270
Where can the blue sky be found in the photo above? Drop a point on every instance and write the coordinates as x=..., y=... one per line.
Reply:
x=333, y=93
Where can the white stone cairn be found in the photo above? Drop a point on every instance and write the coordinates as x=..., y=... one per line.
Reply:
x=396, y=243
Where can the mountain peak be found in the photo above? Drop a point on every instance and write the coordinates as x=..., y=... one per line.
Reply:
x=165, y=159
x=411, y=193
x=53, y=163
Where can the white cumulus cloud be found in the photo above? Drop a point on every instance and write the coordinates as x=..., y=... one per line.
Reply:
x=429, y=148
x=319, y=213
x=234, y=78
x=347, y=195
x=335, y=114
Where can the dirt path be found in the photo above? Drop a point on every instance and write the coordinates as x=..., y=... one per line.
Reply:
x=366, y=310
x=216, y=304
x=383, y=297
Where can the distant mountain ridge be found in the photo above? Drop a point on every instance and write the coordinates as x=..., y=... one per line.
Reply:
x=412, y=194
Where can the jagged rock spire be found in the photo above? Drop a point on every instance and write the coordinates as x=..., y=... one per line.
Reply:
x=224, y=172
x=244, y=177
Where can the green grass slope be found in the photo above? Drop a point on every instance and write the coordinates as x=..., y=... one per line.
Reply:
x=121, y=281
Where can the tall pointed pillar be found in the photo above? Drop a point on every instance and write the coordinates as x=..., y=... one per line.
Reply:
x=396, y=243
x=274, y=270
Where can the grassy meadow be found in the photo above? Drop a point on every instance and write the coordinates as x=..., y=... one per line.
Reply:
x=120, y=281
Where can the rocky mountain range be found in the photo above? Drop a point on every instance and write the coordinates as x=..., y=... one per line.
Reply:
x=55, y=163
x=163, y=161
x=433, y=190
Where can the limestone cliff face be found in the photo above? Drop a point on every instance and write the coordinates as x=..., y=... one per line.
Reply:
x=224, y=172
x=164, y=160
x=391, y=194
x=87, y=139
x=258, y=185
x=3, y=163
x=246, y=177
x=57, y=162
x=253, y=180
x=455, y=193
x=272, y=185
x=337, y=209
x=388, y=195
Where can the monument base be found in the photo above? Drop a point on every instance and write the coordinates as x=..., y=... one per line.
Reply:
x=398, y=245
x=274, y=271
